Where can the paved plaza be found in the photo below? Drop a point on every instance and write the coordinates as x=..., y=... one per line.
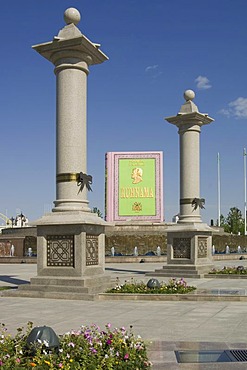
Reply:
x=168, y=325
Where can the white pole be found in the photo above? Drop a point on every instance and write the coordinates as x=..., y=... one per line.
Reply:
x=245, y=192
x=218, y=167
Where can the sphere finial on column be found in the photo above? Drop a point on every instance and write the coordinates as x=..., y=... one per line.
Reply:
x=72, y=15
x=189, y=95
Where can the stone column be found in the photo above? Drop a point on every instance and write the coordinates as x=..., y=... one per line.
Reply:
x=72, y=54
x=189, y=242
x=71, y=153
x=71, y=239
x=189, y=122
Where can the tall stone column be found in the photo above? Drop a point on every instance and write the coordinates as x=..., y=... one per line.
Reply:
x=71, y=239
x=71, y=153
x=72, y=54
x=189, y=122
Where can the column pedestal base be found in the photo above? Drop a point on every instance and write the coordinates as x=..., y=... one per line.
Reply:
x=70, y=257
x=189, y=251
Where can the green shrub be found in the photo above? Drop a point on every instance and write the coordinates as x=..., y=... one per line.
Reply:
x=173, y=286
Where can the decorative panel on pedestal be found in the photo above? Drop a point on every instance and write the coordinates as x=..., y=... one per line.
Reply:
x=202, y=247
x=92, y=250
x=181, y=248
x=60, y=250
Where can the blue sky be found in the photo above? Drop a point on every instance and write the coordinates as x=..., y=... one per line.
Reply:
x=157, y=49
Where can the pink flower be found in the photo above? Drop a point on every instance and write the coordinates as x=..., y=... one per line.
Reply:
x=126, y=356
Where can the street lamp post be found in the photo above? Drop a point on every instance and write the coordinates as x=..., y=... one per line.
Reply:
x=218, y=173
x=245, y=233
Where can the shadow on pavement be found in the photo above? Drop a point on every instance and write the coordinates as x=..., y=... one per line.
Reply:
x=125, y=270
x=12, y=280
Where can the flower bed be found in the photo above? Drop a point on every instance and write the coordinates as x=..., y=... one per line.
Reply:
x=173, y=286
x=88, y=348
x=228, y=270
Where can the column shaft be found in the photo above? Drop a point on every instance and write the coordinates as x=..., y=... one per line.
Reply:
x=71, y=136
x=189, y=173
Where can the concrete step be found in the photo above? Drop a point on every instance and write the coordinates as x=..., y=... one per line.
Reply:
x=48, y=294
x=174, y=274
x=66, y=289
x=185, y=271
x=185, y=267
x=54, y=288
x=181, y=271
x=70, y=281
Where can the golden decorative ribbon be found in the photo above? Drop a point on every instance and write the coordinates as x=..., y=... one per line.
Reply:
x=67, y=177
x=81, y=178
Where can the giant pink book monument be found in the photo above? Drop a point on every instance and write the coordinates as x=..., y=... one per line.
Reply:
x=134, y=186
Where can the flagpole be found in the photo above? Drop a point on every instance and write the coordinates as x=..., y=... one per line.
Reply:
x=245, y=233
x=218, y=167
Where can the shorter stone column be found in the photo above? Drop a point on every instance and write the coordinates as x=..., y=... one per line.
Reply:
x=189, y=242
x=189, y=122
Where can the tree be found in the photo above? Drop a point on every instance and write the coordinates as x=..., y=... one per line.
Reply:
x=222, y=221
x=234, y=222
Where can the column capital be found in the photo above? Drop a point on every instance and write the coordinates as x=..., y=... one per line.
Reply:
x=72, y=59
x=81, y=46
x=71, y=41
x=189, y=120
x=189, y=115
